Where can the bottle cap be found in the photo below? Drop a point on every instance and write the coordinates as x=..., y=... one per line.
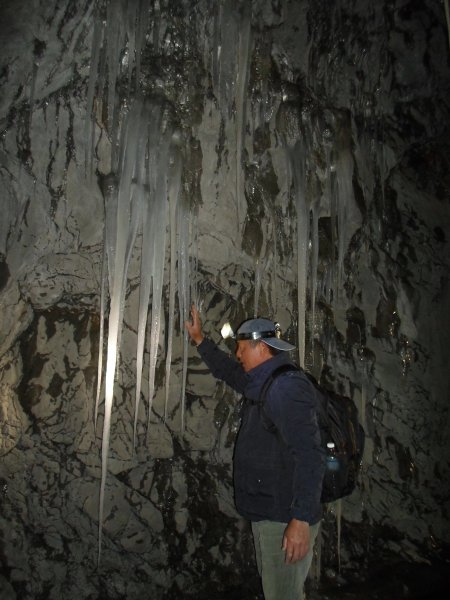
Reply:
x=330, y=445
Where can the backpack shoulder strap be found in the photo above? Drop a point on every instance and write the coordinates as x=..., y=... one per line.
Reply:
x=267, y=421
x=270, y=379
x=275, y=373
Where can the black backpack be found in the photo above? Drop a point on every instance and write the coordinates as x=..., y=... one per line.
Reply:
x=339, y=425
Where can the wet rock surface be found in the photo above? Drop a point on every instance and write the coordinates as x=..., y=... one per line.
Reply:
x=327, y=120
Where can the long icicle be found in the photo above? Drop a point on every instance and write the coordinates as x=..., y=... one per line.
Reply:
x=151, y=125
x=344, y=175
x=159, y=244
x=339, y=530
x=103, y=289
x=314, y=262
x=194, y=254
x=183, y=292
x=174, y=191
x=328, y=193
x=125, y=232
x=299, y=171
x=100, y=343
x=241, y=112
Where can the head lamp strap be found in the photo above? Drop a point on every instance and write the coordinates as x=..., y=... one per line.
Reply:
x=255, y=335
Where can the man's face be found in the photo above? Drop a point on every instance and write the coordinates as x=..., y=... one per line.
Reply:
x=250, y=355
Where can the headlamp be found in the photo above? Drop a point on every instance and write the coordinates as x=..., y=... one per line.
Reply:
x=227, y=331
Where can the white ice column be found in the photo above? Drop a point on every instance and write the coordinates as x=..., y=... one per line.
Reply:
x=298, y=159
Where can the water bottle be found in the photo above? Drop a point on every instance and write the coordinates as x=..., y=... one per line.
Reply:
x=332, y=468
x=332, y=459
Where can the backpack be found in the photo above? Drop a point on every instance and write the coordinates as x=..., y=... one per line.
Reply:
x=339, y=425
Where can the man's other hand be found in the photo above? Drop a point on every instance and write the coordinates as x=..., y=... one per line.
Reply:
x=296, y=540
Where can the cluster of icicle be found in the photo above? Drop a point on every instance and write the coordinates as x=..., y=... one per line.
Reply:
x=232, y=44
x=334, y=199
x=142, y=194
x=142, y=198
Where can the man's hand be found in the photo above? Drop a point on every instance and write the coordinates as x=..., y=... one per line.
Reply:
x=296, y=540
x=194, y=328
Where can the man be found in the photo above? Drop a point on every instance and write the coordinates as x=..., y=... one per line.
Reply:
x=278, y=460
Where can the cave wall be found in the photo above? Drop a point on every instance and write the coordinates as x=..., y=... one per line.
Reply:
x=366, y=84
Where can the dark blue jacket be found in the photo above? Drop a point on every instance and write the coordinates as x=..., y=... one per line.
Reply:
x=277, y=474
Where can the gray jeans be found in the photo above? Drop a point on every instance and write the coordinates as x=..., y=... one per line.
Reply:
x=280, y=581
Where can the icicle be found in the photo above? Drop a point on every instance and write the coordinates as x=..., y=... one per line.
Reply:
x=281, y=231
x=153, y=252
x=275, y=270
x=194, y=262
x=339, y=529
x=110, y=194
x=174, y=190
x=257, y=285
x=365, y=379
x=314, y=261
x=344, y=175
x=185, y=231
x=32, y=92
x=262, y=266
x=363, y=402
x=119, y=251
x=183, y=380
x=329, y=194
x=101, y=335
x=316, y=563
x=158, y=246
x=299, y=172
x=111, y=197
x=241, y=112
x=183, y=292
x=150, y=126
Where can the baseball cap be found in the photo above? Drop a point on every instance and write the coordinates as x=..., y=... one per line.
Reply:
x=265, y=330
